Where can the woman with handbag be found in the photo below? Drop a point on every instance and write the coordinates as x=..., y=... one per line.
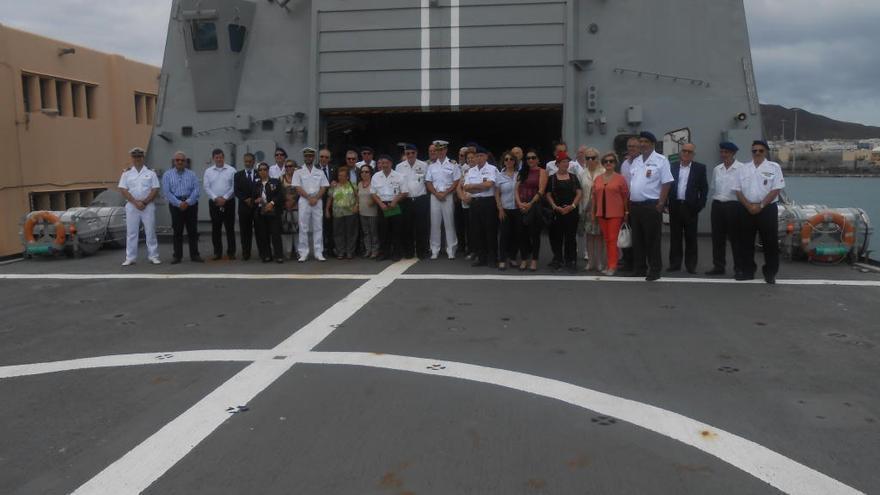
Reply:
x=268, y=195
x=610, y=207
x=564, y=196
x=594, y=246
x=531, y=183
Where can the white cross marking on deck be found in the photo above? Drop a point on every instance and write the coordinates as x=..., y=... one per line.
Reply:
x=148, y=461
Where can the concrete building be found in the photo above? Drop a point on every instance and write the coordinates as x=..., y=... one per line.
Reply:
x=68, y=116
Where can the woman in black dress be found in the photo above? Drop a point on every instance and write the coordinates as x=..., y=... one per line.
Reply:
x=564, y=197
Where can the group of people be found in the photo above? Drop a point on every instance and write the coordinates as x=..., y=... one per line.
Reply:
x=494, y=214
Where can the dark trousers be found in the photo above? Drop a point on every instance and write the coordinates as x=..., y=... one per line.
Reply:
x=626, y=259
x=683, y=226
x=508, y=235
x=563, y=237
x=268, y=229
x=390, y=230
x=190, y=220
x=327, y=227
x=246, y=220
x=765, y=225
x=484, y=229
x=220, y=220
x=530, y=236
x=462, y=227
x=724, y=218
x=417, y=213
x=646, y=224
x=345, y=233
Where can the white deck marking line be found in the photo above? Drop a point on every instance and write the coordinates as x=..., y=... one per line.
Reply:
x=426, y=54
x=592, y=278
x=184, y=276
x=771, y=467
x=144, y=464
x=200, y=356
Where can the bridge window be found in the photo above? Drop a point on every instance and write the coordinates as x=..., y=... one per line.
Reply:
x=237, y=34
x=204, y=36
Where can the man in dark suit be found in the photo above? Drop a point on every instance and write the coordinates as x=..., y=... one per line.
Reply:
x=268, y=200
x=687, y=197
x=243, y=182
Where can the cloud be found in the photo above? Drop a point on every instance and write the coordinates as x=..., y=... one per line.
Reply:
x=818, y=55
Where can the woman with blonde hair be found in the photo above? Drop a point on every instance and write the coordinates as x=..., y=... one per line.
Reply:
x=610, y=203
x=594, y=251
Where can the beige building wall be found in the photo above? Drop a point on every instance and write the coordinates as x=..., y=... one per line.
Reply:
x=85, y=111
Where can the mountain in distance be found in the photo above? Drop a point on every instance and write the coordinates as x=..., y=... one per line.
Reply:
x=811, y=127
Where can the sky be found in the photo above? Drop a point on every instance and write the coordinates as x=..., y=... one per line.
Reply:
x=819, y=55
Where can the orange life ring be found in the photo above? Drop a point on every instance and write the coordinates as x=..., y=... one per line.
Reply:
x=847, y=229
x=48, y=217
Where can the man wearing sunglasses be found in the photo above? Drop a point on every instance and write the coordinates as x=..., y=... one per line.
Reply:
x=243, y=183
x=650, y=182
x=277, y=168
x=757, y=187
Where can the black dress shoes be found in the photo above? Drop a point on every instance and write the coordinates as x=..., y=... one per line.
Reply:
x=715, y=271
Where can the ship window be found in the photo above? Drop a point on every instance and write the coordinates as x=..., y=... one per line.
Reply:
x=204, y=36
x=268, y=125
x=186, y=131
x=237, y=34
x=26, y=91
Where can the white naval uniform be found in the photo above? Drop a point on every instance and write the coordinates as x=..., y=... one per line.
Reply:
x=477, y=175
x=648, y=176
x=311, y=218
x=387, y=187
x=414, y=177
x=574, y=168
x=755, y=183
x=276, y=171
x=139, y=185
x=442, y=175
x=723, y=180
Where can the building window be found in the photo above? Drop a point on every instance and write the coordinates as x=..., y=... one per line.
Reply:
x=237, y=34
x=144, y=108
x=204, y=36
x=63, y=97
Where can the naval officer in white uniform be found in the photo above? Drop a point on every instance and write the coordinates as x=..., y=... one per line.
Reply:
x=140, y=186
x=416, y=205
x=311, y=184
x=442, y=181
x=757, y=188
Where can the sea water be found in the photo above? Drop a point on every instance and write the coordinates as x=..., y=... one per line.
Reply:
x=841, y=192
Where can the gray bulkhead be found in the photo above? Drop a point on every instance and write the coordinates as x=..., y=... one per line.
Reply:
x=245, y=76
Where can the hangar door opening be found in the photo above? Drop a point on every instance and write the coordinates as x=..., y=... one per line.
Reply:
x=497, y=128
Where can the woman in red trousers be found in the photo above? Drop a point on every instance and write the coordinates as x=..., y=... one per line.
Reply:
x=610, y=207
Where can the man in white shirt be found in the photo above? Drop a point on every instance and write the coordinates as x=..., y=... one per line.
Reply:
x=441, y=182
x=139, y=185
x=366, y=158
x=310, y=184
x=650, y=181
x=725, y=207
x=757, y=188
x=388, y=188
x=479, y=182
x=416, y=205
x=277, y=168
x=219, y=182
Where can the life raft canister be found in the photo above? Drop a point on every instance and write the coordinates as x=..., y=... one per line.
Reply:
x=49, y=218
x=847, y=232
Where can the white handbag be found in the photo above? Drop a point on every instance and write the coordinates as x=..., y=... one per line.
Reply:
x=624, y=238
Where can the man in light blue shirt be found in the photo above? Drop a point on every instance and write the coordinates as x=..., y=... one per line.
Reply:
x=180, y=187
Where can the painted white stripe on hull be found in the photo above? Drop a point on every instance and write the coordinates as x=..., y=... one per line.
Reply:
x=426, y=54
x=455, y=56
x=145, y=463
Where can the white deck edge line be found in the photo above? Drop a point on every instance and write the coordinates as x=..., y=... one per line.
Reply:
x=771, y=467
x=140, y=467
x=183, y=276
x=455, y=55
x=590, y=278
x=426, y=54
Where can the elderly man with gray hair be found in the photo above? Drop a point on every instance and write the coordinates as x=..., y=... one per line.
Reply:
x=180, y=187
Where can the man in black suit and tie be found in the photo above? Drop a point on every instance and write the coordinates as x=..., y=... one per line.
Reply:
x=243, y=183
x=687, y=197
